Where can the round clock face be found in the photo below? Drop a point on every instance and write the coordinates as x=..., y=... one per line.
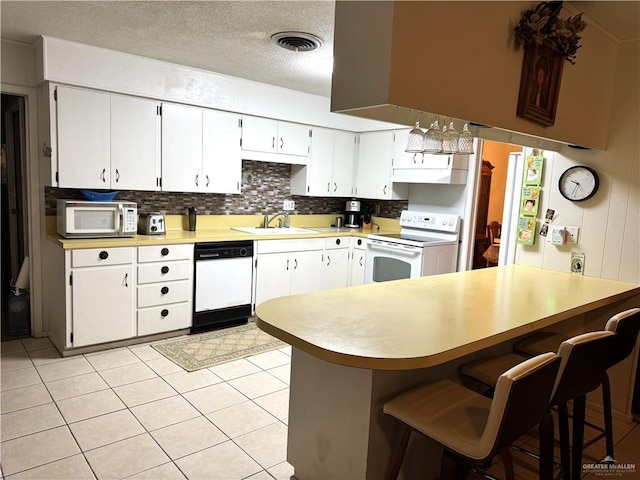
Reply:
x=578, y=183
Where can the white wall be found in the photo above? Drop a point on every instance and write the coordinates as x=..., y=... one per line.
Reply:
x=17, y=65
x=610, y=221
x=73, y=63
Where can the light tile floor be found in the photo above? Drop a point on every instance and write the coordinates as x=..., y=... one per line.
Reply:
x=131, y=413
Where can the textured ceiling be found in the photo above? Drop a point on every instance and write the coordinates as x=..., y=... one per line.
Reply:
x=230, y=37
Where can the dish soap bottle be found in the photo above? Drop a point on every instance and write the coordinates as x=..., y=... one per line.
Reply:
x=192, y=219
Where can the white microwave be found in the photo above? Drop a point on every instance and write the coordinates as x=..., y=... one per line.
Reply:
x=87, y=219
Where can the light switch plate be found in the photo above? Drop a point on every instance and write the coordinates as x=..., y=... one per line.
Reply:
x=289, y=205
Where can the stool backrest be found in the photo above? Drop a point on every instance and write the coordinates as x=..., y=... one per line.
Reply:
x=520, y=401
x=583, y=364
x=626, y=326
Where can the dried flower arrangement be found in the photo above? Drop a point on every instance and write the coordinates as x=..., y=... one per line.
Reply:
x=541, y=24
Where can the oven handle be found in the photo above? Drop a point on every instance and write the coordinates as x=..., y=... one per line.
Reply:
x=398, y=251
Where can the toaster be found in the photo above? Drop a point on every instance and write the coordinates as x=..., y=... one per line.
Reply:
x=151, y=224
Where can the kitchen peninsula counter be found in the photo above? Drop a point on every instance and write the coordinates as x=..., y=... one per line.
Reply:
x=355, y=348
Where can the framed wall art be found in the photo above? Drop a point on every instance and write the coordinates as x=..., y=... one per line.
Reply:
x=540, y=84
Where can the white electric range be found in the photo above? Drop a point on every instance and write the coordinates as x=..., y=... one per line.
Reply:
x=426, y=245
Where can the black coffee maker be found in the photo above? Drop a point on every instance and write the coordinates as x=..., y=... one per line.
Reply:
x=352, y=217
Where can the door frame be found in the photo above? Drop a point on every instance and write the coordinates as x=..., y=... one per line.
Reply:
x=35, y=202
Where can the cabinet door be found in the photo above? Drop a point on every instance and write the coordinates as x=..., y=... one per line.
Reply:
x=181, y=148
x=259, y=134
x=83, y=138
x=357, y=267
x=402, y=159
x=336, y=268
x=108, y=315
x=306, y=272
x=135, y=143
x=273, y=276
x=293, y=139
x=221, y=154
x=321, y=163
x=374, y=165
x=344, y=157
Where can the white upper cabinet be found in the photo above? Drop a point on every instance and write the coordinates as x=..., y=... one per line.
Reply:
x=273, y=140
x=330, y=172
x=402, y=159
x=221, y=155
x=135, y=143
x=84, y=142
x=200, y=150
x=344, y=160
x=181, y=148
x=374, y=168
x=106, y=141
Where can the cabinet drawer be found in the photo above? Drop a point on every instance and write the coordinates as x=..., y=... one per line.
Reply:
x=289, y=245
x=336, y=242
x=359, y=243
x=164, y=272
x=163, y=293
x=164, y=319
x=92, y=257
x=160, y=253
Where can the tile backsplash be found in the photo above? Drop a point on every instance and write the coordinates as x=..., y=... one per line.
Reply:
x=270, y=186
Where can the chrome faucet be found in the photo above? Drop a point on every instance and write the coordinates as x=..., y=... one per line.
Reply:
x=268, y=220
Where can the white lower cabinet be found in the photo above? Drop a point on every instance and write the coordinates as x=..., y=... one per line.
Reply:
x=288, y=267
x=357, y=260
x=100, y=293
x=336, y=263
x=165, y=288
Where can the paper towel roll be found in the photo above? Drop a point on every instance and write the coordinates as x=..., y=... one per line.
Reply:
x=22, y=283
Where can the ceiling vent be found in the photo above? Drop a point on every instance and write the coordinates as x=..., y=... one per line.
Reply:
x=297, y=41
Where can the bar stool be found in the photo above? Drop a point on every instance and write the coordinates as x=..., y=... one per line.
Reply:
x=626, y=325
x=473, y=428
x=581, y=371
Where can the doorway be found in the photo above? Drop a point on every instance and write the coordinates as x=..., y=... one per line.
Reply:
x=16, y=318
x=490, y=204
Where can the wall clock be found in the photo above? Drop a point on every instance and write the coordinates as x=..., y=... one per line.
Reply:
x=578, y=183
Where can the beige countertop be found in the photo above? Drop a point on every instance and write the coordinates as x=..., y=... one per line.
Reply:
x=426, y=321
x=218, y=228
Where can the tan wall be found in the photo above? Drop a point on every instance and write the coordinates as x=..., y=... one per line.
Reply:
x=459, y=59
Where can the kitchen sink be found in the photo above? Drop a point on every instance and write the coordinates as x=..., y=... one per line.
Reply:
x=274, y=231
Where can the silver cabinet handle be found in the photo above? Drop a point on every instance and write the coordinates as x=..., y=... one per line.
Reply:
x=384, y=190
x=287, y=264
x=295, y=263
x=207, y=177
x=335, y=187
x=414, y=158
x=328, y=260
x=273, y=142
x=126, y=280
x=102, y=176
x=117, y=175
x=197, y=180
x=281, y=143
x=360, y=261
x=328, y=187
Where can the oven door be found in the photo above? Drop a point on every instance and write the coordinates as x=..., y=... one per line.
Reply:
x=388, y=261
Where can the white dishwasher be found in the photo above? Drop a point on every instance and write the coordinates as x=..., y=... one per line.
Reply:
x=223, y=284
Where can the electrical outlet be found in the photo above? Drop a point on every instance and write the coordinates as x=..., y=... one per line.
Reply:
x=289, y=205
x=572, y=234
